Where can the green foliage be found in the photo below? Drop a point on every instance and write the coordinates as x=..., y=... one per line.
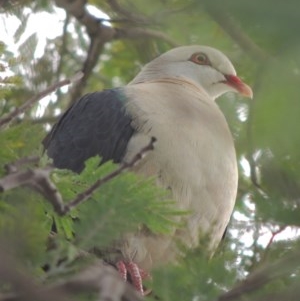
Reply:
x=120, y=206
x=7, y=81
x=197, y=276
x=19, y=141
x=265, y=130
x=24, y=227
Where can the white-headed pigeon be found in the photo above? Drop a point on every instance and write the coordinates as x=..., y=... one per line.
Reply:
x=173, y=100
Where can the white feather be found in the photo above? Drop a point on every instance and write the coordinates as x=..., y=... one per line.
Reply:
x=194, y=156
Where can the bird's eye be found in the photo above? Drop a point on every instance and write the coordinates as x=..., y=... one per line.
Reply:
x=200, y=58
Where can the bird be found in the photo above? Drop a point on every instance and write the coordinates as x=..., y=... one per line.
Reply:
x=172, y=99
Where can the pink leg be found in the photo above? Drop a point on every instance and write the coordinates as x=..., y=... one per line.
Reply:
x=122, y=269
x=136, y=274
x=136, y=277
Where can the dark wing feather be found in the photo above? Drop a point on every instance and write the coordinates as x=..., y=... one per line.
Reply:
x=96, y=124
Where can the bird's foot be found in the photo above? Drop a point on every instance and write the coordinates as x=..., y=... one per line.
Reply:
x=136, y=274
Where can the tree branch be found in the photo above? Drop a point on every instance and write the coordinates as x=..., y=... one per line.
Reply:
x=100, y=278
x=14, y=167
x=95, y=48
x=100, y=34
x=232, y=28
x=82, y=197
x=129, y=15
x=39, y=179
x=137, y=33
x=19, y=110
x=77, y=9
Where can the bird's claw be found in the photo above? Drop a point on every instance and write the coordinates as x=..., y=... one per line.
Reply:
x=136, y=274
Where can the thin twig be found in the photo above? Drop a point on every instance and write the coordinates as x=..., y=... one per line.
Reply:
x=138, y=33
x=263, y=275
x=282, y=228
x=63, y=46
x=82, y=197
x=249, y=131
x=271, y=240
x=62, y=52
x=19, y=110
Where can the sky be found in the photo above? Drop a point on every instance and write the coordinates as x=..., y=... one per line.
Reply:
x=39, y=23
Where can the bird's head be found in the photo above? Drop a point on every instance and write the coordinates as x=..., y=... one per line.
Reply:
x=205, y=66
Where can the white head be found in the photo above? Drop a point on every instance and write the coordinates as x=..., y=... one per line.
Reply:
x=203, y=65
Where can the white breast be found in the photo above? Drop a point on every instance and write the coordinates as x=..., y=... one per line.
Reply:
x=194, y=156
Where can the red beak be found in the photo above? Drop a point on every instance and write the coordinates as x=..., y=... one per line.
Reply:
x=239, y=85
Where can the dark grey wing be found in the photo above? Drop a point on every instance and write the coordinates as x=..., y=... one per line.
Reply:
x=96, y=124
